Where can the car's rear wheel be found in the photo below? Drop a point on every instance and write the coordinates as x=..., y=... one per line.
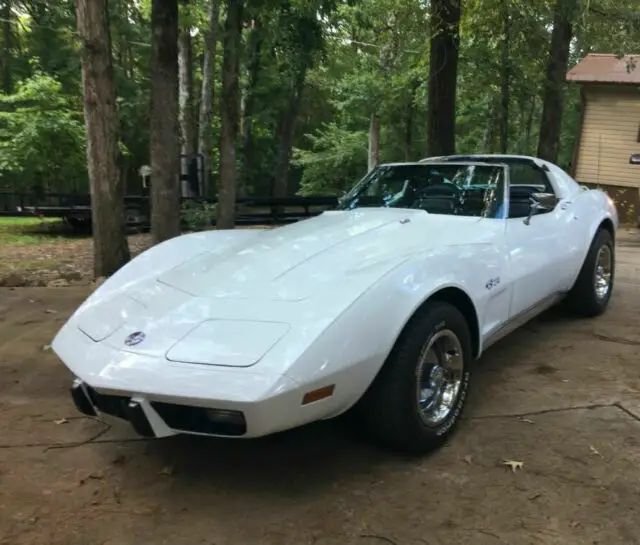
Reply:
x=591, y=292
x=416, y=400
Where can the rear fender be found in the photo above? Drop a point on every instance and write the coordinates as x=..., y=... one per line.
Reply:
x=594, y=209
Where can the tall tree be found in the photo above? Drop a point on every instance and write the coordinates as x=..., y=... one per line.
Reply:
x=164, y=140
x=111, y=250
x=6, y=14
x=229, y=114
x=304, y=40
x=206, y=98
x=186, y=99
x=256, y=39
x=505, y=76
x=443, y=74
x=557, y=63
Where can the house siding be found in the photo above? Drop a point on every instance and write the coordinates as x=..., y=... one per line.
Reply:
x=610, y=131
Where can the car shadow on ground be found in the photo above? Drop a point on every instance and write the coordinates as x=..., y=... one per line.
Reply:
x=308, y=457
x=321, y=453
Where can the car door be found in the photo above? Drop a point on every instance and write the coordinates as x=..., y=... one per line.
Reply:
x=535, y=246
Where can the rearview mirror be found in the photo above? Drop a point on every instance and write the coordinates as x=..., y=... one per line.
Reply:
x=540, y=202
x=634, y=159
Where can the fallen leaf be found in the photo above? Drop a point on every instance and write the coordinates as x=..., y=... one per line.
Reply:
x=51, y=311
x=565, y=380
x=513, y=464
x=119, y=460
x=527, y=420
x=46, y=347
x=467, y=458
x=167, y=471
x=595, y=451
x=61, y=421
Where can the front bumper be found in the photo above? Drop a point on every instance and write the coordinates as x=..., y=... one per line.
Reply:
x=157, y=418
x=161, y=398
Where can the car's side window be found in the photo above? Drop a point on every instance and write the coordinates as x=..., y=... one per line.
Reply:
x=524, y=180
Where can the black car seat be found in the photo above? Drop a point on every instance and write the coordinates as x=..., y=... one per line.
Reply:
x=520, y=201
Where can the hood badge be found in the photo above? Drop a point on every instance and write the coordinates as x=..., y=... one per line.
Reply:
x=135, y=338
x=405, y=220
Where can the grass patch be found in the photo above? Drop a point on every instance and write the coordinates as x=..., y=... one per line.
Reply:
x=29, y=230
x=28, y=265
x=26, y=221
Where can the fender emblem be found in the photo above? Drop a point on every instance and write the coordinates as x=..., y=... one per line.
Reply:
x=492, y=283
x=135, y=338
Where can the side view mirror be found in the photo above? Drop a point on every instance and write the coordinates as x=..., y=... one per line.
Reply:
x=539, y=202
x=634, y=159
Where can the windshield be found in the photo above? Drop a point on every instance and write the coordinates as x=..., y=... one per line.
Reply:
x=438, y=188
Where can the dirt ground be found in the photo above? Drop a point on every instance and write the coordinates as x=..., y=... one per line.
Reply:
x=562, y=396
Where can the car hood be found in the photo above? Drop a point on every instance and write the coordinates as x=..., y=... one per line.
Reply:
x=299, y=261
x=231, y=303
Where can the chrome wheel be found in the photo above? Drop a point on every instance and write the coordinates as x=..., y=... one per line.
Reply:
x=440, y=372
x=602, y=277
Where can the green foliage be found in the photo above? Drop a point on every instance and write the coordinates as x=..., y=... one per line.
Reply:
x=42, y=135
x=356, y=58
x=198, y=216
x=337, y=159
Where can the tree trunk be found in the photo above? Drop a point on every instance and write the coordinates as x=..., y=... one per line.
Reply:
x=374, y=142
x=553, y=98
x=111, y=249
x=505, y=77
x=408, y=135
x=286, y=131
x=491, y=126
x=186, y=108
x=443, y=74
x=206, y=100
x=7, y=49
x=255, y=46
x=529, y=125
x=164, y=138
x=229, y=115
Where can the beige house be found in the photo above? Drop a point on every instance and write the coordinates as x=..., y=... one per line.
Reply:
x=609, y=128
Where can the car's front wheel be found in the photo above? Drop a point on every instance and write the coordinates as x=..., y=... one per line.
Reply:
x=417, y=399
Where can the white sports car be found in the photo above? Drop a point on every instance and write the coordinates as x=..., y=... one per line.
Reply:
x=380, y=306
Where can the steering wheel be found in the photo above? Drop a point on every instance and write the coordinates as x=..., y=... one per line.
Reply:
x=443, y=188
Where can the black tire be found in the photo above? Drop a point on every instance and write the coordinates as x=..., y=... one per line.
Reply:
x=583, y=299
x=389, y=410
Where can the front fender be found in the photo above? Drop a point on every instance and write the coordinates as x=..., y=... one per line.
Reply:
x=356, y=344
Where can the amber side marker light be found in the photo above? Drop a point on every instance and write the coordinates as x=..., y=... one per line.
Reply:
x=317, y=395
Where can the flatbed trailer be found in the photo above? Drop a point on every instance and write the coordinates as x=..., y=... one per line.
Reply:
x=76, y=209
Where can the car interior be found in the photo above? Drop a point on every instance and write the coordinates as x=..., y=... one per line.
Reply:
x=525, y=180
x=465, y=190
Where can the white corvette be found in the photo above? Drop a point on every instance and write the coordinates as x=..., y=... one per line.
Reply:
x=381, y=306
